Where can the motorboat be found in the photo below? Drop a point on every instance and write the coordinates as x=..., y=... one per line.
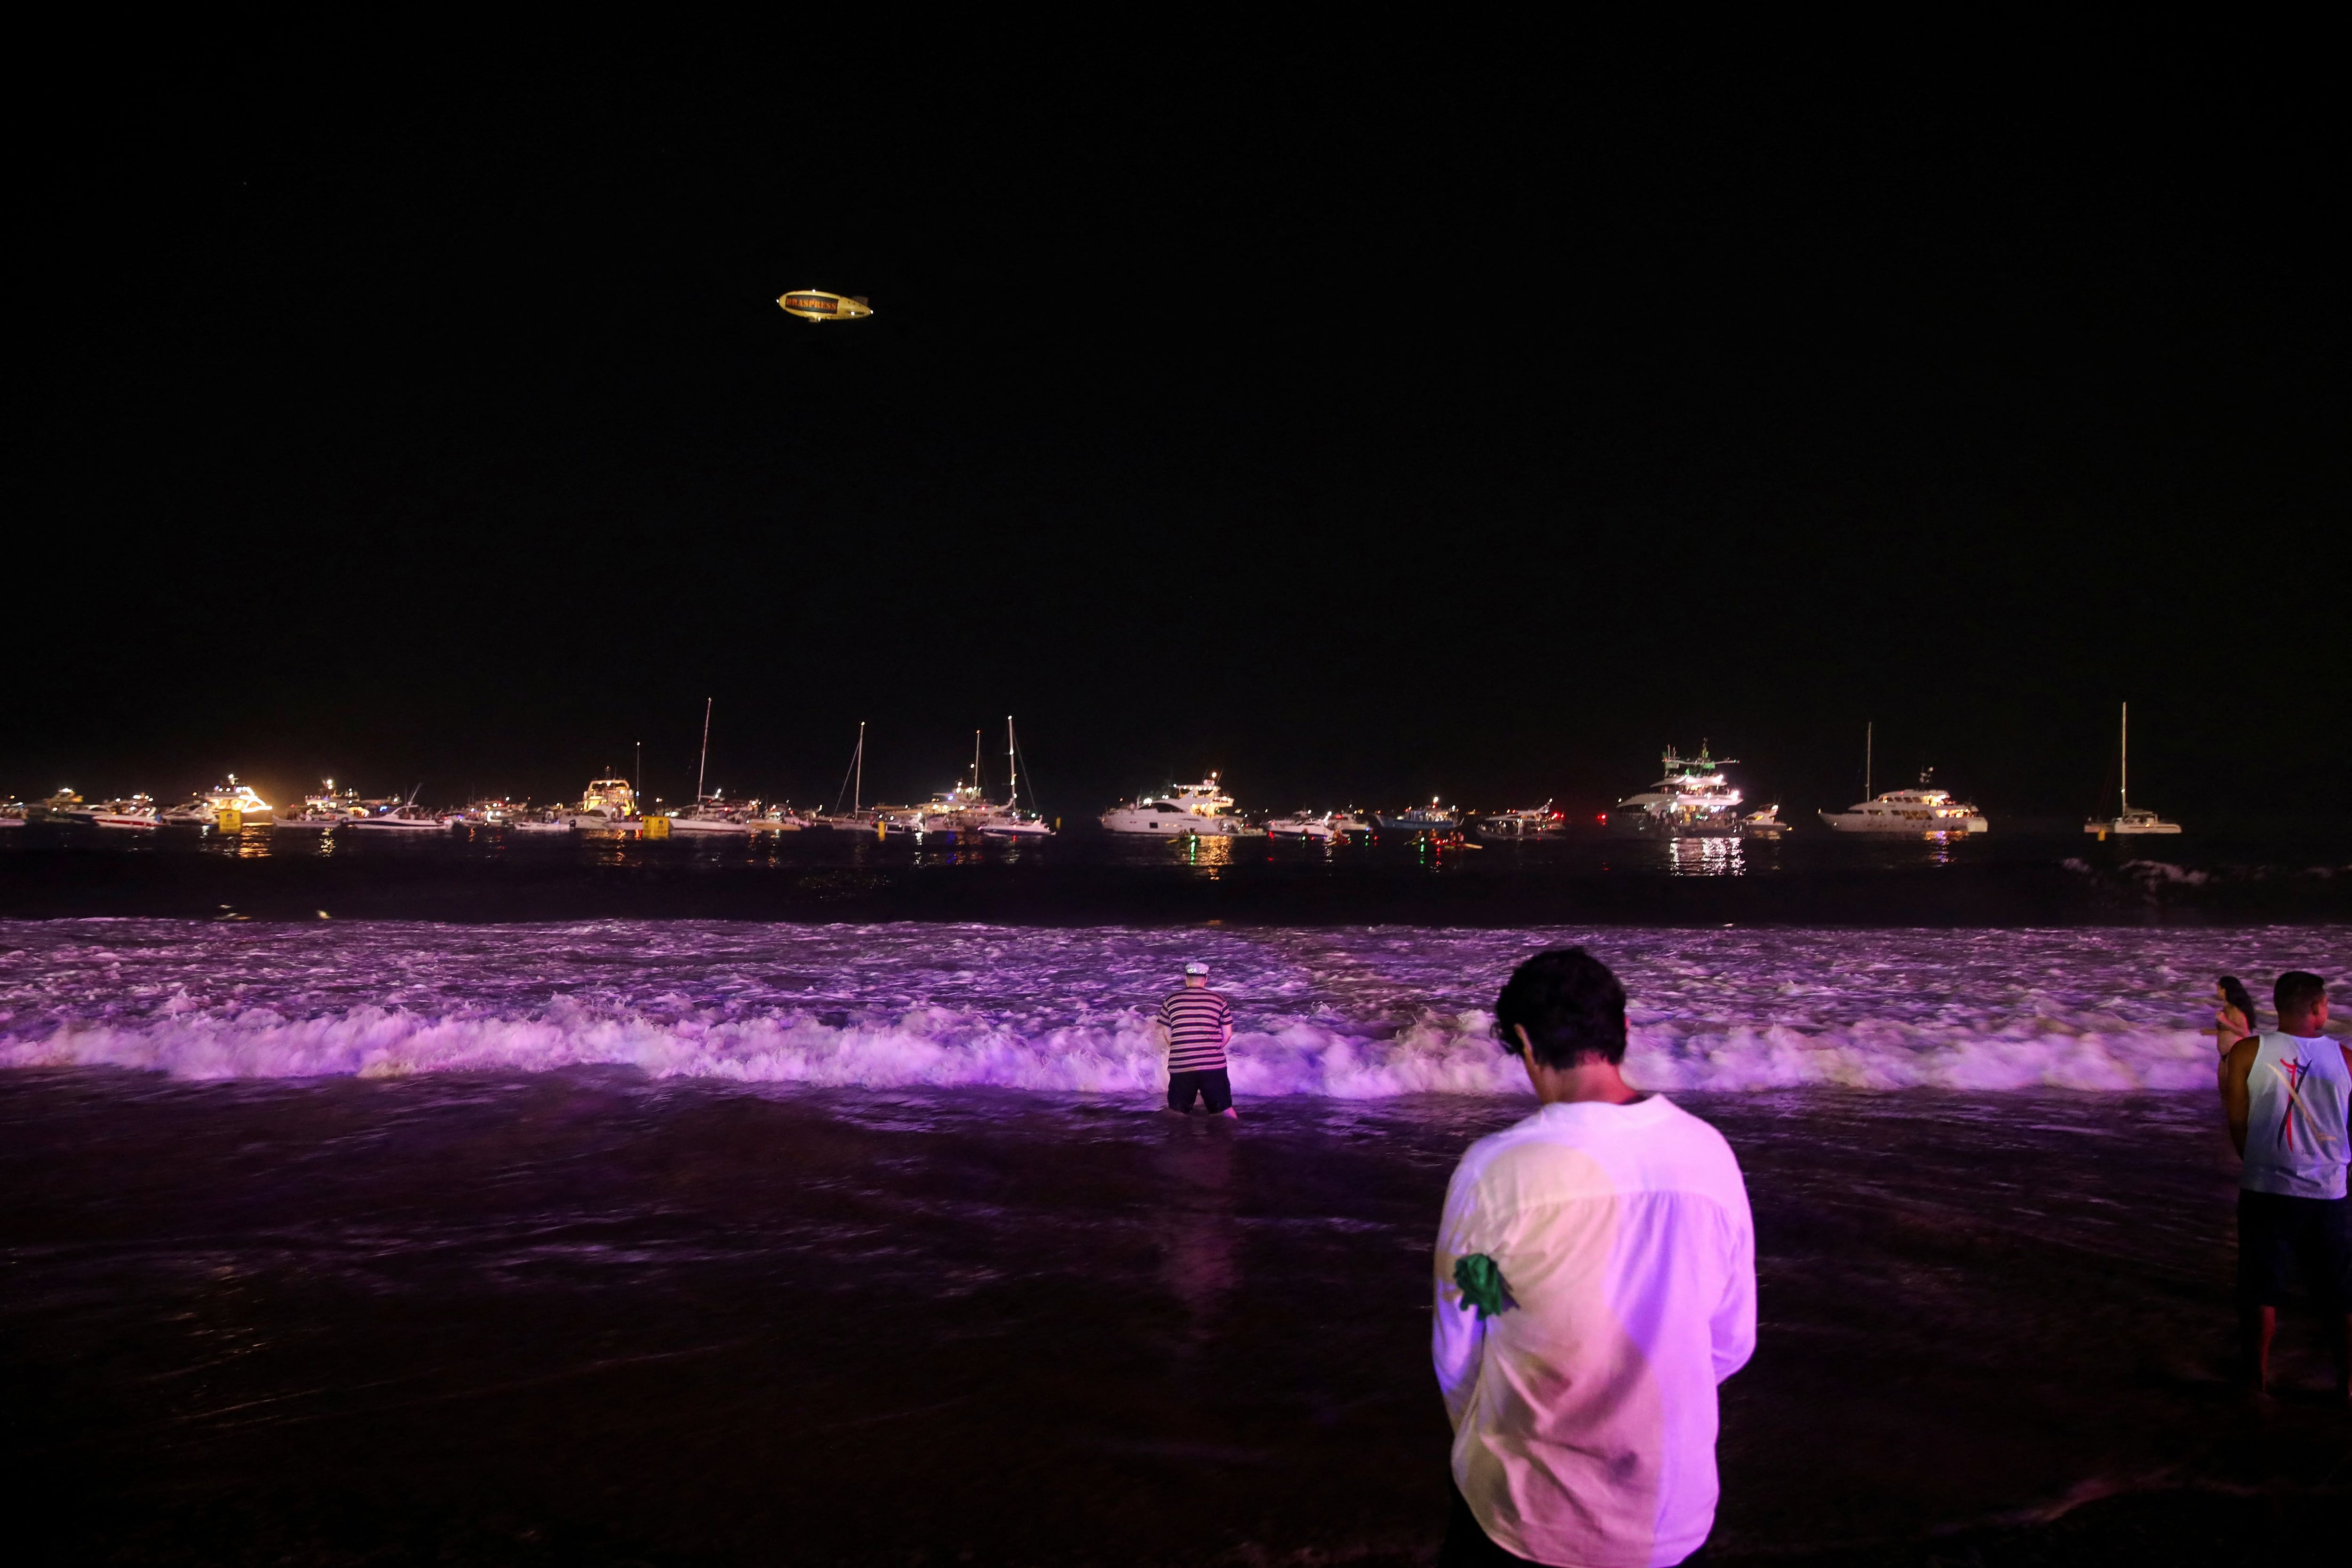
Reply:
x=403, y=819
x=213, y=808
x=134, y=814
x=1429, y=819
x=1691, y=800
x=1301, y=825
x=1203, y=809
x=491, y=812
x=327, y=808
x=540, y=822
x=407, y=817
x=2126, y=820
x=1763, y=824
x=1534, y=821
x=608, y=806
x=778, y=820
x=1346, y=823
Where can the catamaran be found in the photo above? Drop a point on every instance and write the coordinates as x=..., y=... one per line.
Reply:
x=2126, y=820
x=1922, y=812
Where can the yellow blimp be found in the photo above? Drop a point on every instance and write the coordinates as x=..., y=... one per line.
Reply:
x=822, y=305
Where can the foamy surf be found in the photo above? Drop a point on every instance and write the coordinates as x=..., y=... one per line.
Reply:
x=1361, y=1014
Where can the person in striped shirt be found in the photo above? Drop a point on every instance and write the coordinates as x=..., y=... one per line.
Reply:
x=1199, y=1025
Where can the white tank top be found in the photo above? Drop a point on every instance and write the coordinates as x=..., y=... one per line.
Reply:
x=2295, y=1135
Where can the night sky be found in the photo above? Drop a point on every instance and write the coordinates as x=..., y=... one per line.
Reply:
x=1366, y=431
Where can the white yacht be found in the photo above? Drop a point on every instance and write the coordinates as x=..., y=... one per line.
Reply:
x=1534, y=821
x=496, y=811
x=1693, y=800
x=211, y=809
x=2126, y=820
x=1429, y=819
x=609, y=806
x=1301, y=825
x=327, y=808
x=540, y=822
x=134, y=814
x=778, y=820
x=405, y=817
x=1913, y=813
x=1202, y=809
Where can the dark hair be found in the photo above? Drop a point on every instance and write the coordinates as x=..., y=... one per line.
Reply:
x=1570, y=1005
x=2297, y=991
x=2234, y=994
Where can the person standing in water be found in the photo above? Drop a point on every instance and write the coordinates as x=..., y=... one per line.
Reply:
x=1199, y=1025
x=2286, y=1095
x=1596, y=1279
x=2233, y=1020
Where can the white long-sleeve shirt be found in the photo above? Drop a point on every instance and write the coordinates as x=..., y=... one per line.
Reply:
x=1584, y=1413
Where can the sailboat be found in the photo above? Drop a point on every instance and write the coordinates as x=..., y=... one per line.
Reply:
x=1010, y=822
x=882, y=821
x=2127, y=820
x=710, y=813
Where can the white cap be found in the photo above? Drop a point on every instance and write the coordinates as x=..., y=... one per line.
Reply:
x=1196, y=968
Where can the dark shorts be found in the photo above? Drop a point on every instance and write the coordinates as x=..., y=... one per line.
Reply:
x=2281, y=1239
x=1213, y=1086
x=1467, y=1544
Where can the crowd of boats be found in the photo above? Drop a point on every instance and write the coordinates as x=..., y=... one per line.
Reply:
x=1694, y=797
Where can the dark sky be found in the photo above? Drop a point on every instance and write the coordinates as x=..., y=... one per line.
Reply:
x=1365, y=431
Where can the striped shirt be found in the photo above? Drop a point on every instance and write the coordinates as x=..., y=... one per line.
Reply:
x=1196, y=1021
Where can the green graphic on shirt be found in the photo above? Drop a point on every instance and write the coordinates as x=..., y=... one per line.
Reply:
x=1482, y=1285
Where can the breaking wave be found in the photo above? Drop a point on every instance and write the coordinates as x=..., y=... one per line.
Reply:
x=1349, y=1014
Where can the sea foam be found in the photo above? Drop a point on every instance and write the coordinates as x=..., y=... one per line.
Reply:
x=1355, y=1014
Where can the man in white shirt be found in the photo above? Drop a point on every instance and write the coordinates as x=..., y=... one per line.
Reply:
x=1596, y=1278
x=2287, y=1096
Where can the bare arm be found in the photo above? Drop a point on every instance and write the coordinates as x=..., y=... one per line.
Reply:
x=2237, y=1100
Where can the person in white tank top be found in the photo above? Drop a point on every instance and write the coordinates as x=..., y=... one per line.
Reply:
x=2288, y=1095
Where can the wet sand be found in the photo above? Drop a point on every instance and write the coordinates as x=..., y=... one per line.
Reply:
x=584, y=1317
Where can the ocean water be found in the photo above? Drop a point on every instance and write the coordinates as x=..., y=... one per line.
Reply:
x=712, y=1242
x=1362, y=1013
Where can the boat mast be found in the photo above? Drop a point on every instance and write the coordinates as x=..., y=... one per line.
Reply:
x=1011, y=766
x=857, y=770
x=703, y=766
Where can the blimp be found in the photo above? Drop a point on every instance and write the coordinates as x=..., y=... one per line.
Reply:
x=822, y=305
